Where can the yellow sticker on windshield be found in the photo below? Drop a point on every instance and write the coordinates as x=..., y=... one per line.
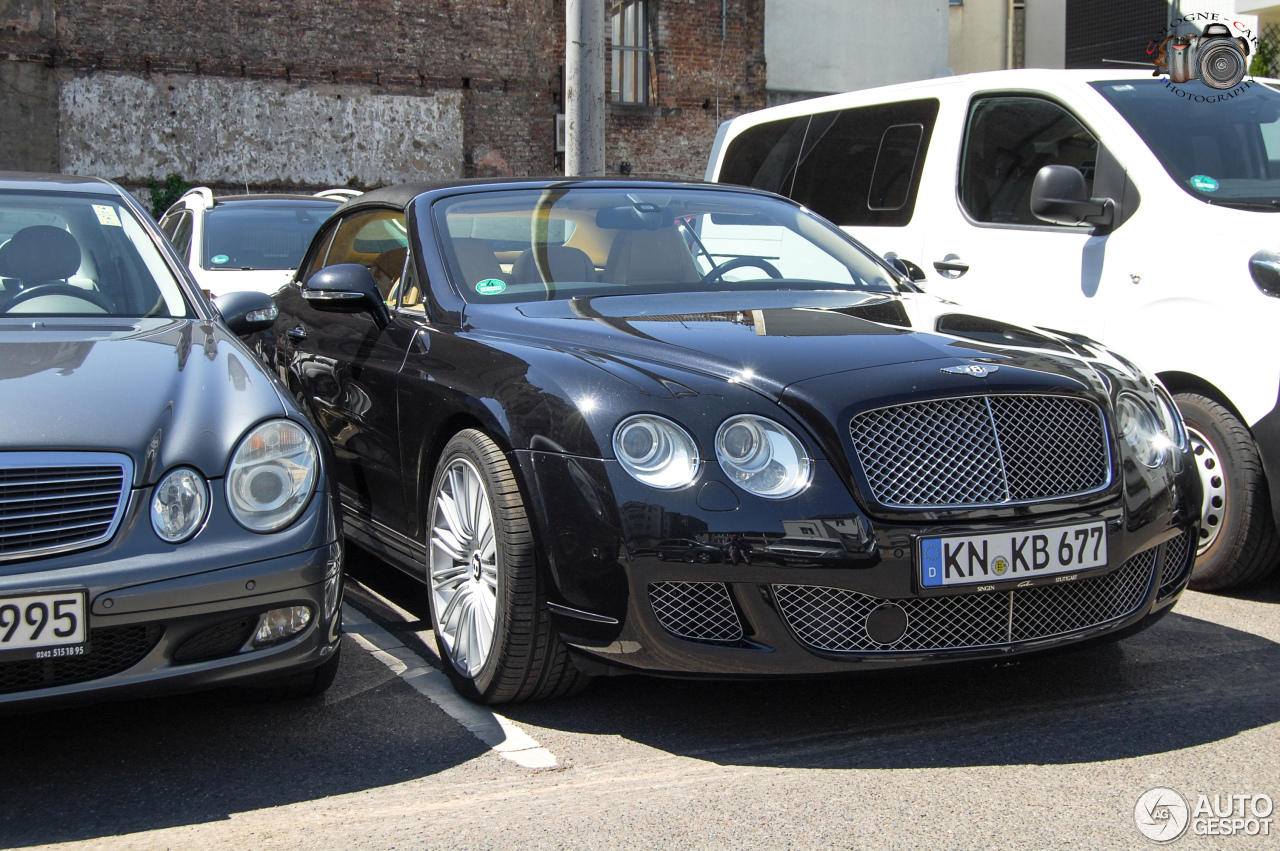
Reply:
x=107, y=216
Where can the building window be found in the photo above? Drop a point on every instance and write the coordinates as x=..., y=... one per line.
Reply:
x=630, y=51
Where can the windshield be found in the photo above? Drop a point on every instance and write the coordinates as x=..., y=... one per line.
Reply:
x=1223, y=152
x=65, y=254
x=266, y=234
x=560, y=243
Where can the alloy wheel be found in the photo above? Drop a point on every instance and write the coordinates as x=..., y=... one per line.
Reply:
x=463, y=563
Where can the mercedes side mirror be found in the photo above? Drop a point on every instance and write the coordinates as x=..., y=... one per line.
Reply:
x=1059, y=196
x=246, y=312
x=346, y=288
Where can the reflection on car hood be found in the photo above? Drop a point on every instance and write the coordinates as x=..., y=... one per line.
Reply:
x=764, y=340
x=163, y=391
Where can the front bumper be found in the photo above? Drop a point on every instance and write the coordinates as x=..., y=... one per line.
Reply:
x=762, y=613
x=183, y=633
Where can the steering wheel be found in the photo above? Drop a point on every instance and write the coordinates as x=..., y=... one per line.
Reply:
x=41, y=290
x=737, y=263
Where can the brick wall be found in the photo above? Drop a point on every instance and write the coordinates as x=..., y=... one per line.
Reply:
x=499, y=60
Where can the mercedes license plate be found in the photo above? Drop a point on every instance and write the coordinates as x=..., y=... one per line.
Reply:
x=43, y=626
x=1002, y=556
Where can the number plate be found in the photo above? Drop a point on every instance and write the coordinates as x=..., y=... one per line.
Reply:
x=43, y=626
x=1000, y=557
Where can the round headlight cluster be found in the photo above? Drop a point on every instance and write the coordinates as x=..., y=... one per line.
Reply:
x=272, y=474
x=656, y=451
x=179, y=504
x=1172, y=418
x=762, y=457
x=1138, y=427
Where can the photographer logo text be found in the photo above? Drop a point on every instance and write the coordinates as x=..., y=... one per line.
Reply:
x=1162, y=815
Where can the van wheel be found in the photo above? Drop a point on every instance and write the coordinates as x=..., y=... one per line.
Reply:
x=488, y=603
x=1238, y=540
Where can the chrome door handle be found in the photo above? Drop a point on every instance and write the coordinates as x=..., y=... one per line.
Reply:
x=298, y=333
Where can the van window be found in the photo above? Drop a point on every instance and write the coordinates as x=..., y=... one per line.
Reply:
x=1007, y=141
x=856, y=167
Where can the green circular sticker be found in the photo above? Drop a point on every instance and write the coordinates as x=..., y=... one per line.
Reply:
x=1204, y=183
x=219, y=259
x=491, y=286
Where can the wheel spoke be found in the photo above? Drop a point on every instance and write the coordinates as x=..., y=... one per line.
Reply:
x=448, y=506
x=445, y=540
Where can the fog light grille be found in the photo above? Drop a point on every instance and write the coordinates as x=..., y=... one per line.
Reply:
x=1179, y=556
x=834, y=619
x=111, y=651
x=696, y=611
x=221, y=639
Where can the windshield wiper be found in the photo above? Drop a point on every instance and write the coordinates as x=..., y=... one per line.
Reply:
x=1265, y=206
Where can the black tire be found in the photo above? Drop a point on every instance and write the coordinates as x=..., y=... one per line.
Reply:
x=297, y=686
x=526, y=659
x=1246, y=546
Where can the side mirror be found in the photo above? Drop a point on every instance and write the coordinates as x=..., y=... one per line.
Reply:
x=246, y=312
x=1058, y=195
x=346, y=288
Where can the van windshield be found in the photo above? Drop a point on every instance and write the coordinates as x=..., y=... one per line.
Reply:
x=1224, y=152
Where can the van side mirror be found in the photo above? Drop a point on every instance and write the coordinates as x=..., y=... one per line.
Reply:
x=246, y=312
x=1059, y=196
x=346, y=288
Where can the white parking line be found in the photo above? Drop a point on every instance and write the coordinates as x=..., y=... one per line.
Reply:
x=499, y=733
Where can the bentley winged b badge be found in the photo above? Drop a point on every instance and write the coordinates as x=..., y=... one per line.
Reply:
x=977, y=370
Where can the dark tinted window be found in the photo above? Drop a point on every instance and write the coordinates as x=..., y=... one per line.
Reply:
x=856, y=167
x=1007, y=141
x=266, y=234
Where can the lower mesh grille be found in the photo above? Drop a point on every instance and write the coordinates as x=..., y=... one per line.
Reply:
x=219, y=640
x=111, y=650
x=697, y=611
x=1178, y=556
x=833, y=619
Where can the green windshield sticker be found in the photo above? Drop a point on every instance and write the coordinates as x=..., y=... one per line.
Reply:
x=491, y=286
x=219, y=259
x=1204, y=183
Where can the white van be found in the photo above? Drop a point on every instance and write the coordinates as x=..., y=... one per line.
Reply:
x=1156, y=231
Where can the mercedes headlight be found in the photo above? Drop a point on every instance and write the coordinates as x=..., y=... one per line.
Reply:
x=1138, y=427
x=656, y=451
x=272, y=475
x=179, y=504
x=762, y=457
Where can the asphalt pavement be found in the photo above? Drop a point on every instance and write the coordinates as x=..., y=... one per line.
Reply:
x=1049, y=753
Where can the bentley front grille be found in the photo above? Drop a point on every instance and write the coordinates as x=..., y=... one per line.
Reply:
x=58, y=501
x=696, y=611
x=982, y=450
x=833, y=619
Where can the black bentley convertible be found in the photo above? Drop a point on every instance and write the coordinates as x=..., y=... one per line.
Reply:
x=533, y=387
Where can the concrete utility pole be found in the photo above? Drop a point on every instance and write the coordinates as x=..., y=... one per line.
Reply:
x=584, y=87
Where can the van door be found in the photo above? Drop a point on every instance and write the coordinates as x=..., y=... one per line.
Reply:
x=859, y=167
x=987, y=251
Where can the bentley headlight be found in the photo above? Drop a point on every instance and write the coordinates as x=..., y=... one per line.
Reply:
x=179, y=504
x=1139, y=428
x=656, y=451
x=762, y=457
x=272, y=474
x=1172, y=418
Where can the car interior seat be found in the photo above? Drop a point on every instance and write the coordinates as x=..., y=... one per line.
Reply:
x=562, y=264
x=477, y=260
x=659, y=256
x=386, y=270
x=41, y=254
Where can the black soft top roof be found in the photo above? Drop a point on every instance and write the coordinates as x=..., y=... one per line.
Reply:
x=402, y=195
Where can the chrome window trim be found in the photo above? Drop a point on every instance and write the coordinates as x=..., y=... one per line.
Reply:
x=26, y=460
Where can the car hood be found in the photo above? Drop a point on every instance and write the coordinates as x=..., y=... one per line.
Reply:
x=166, y=392
x=766, y=340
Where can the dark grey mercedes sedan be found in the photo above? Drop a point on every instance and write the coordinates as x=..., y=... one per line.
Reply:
x=166, y=520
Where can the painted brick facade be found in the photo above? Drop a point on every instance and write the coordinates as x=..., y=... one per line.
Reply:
x=499, y=60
